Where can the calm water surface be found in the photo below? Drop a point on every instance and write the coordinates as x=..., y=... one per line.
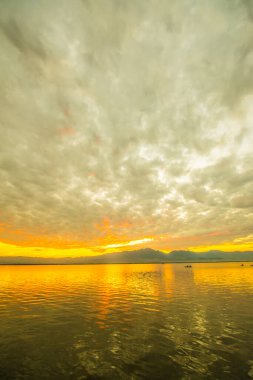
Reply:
x=126, y=322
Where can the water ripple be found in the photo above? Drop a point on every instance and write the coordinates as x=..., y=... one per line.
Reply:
x=126, y=322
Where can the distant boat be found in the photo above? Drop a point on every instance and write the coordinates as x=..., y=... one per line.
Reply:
x=242, y=265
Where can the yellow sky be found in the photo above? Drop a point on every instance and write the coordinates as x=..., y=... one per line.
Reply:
x=242, y=244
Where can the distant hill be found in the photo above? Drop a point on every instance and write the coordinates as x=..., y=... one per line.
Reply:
x=146, y=255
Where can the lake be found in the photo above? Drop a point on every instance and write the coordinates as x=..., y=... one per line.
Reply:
x=132, y=321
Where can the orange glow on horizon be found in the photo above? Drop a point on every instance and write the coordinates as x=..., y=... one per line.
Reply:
x=110, y=237
x=7, y=249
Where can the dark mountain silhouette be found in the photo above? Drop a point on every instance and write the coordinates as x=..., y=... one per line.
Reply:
x=146, y=255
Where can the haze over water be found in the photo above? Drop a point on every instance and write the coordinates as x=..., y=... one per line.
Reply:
x=146, y=321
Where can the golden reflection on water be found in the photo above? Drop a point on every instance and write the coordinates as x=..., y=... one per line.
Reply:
x=110, y=287
x=142, y=279
x=133, y=317
x=230, y=275
x=146, y=279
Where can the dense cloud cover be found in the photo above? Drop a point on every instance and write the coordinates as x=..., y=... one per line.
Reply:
x=122, y=120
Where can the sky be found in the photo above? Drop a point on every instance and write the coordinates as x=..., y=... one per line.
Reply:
x=125, y=124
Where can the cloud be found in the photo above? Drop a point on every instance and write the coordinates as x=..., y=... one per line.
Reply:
x=133, y=242
x=125, y=111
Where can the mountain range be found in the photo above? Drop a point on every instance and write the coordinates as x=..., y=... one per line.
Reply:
x=146, y=255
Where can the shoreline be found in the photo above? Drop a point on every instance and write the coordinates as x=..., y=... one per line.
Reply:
x=132, y=263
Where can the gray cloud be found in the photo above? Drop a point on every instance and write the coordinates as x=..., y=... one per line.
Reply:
x=127, y=111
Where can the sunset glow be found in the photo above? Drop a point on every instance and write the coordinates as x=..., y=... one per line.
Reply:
x=126, y=189
x=125, y=126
